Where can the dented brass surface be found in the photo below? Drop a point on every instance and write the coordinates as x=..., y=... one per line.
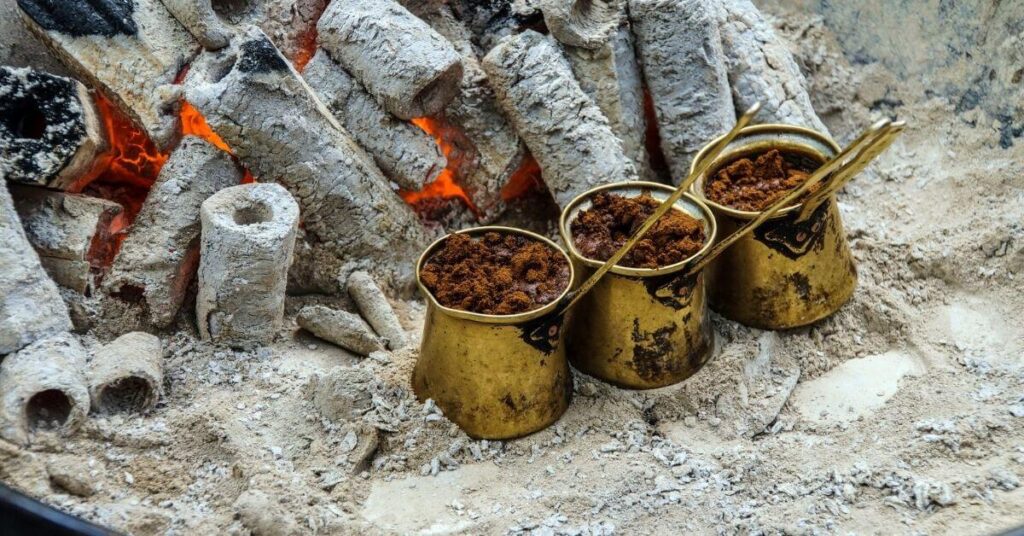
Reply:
x=789, y=272
x=490, y=374
x=640, y=328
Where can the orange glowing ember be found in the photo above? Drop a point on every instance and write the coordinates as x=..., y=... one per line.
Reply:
x=523, y=181
x=193, y=122
x=446, y=185
x=132, y=157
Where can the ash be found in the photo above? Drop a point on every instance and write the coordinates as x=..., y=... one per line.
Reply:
x=903, y=413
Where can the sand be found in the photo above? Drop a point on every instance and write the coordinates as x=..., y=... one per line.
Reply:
x=901, y=414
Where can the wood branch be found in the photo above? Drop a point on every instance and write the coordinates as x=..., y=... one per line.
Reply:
x=564, y=129
x=761, y=69
x=151, y=274
x=276, y=126
x=407, y=66
x=50, y=133
x=611, y=76
x=68, y=231
x=247, y=244
x=342, y=328
x=680, y=49
x=582, y=23
x=30, y=304
x=376, y=309
x=132, y=50
x=126, y=375
x=404, y=152
x=497, y=150
x=41, y=386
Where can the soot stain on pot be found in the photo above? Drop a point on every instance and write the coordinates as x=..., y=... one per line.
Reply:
x=651, y=350
x=672, y=290
x=802, y=284
x=794, y=239
x=543, y=332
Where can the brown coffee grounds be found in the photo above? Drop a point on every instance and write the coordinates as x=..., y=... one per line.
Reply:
x=601, y=230
x=753, y=185
x=497, y=274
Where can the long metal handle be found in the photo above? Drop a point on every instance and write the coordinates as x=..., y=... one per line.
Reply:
x=665, y=206
x=874, y=134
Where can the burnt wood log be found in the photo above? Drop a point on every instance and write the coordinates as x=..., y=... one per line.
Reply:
x=20, y=48
x=132, y=50
x=30, y=304
x=342, y=328
x=406, y=65
x=611, y=76
x=70, y=232
x=127, y=375
x=497, y=151
x=150, y=276
x=582, y=23
x=50, y=133
x=762, y=69
x=490, y=21
x=684, y=66
x=563, y=128
x=405, y=153
x=199, y=17
x=276, y=125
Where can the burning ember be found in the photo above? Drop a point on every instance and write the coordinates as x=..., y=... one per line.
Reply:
x=446, y=186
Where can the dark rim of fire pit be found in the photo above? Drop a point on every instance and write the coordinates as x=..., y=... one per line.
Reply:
x=486, y=318
x=688, y=203
x=760, y=139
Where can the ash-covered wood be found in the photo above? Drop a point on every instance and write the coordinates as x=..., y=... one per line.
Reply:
x=684, y=66
x=199, y=18
x=490, y=21
x=343, y=328
x=50, y=133
x=406, y=65
x=70, y=232
x=582, y=23
x=150, y=276
x=495, y=147
x=30, y=304
x=247, y=243
x=19, y=47
x=761, y=68
x=376, y=309
x=404, y=152
x=611, y=76
x=276, y=126
x=43, y=387
x=126, y=375
x=564, y=129
x=132, y=50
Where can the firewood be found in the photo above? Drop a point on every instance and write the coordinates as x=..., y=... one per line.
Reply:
x=376, y=309
x=247, y=243
x=30, y=304
x=127, y=374
x=497, y=151
x=342, y=328
x=494, y=20
x=43, y=386
x=611, y=76
x=152, y=271
x=680, y=49
x=201, y=19
x=132, y=50
x=50, y=134
x=277, y=127
x=406, y=65
x=68, y=231
x=564, y=129
x=761, y=68
x=582, y=23
x=21, y=48
x=405, y=153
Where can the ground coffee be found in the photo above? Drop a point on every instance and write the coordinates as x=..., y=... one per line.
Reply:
x=601, y=230
x=500, y=274
x=752, y=185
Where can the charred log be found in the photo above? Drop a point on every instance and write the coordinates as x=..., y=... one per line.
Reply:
x=199, y=18
x=101, y=41
x=490, y=21
x=405, y=153
x=154, y=267
x=50, y=133
x=30, y=304
x=406, y=65
x=680, y=49
x=278, y=128
x=127, y=374
x=70, y=232
x=582, y=23
x=342, y=328
x=376, y=309
x=564, y=129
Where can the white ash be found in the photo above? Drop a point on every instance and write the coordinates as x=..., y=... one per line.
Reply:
x=374, y=306
x=564, y=129
x=582, y=23
x=680, y=48
x=404, y=152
